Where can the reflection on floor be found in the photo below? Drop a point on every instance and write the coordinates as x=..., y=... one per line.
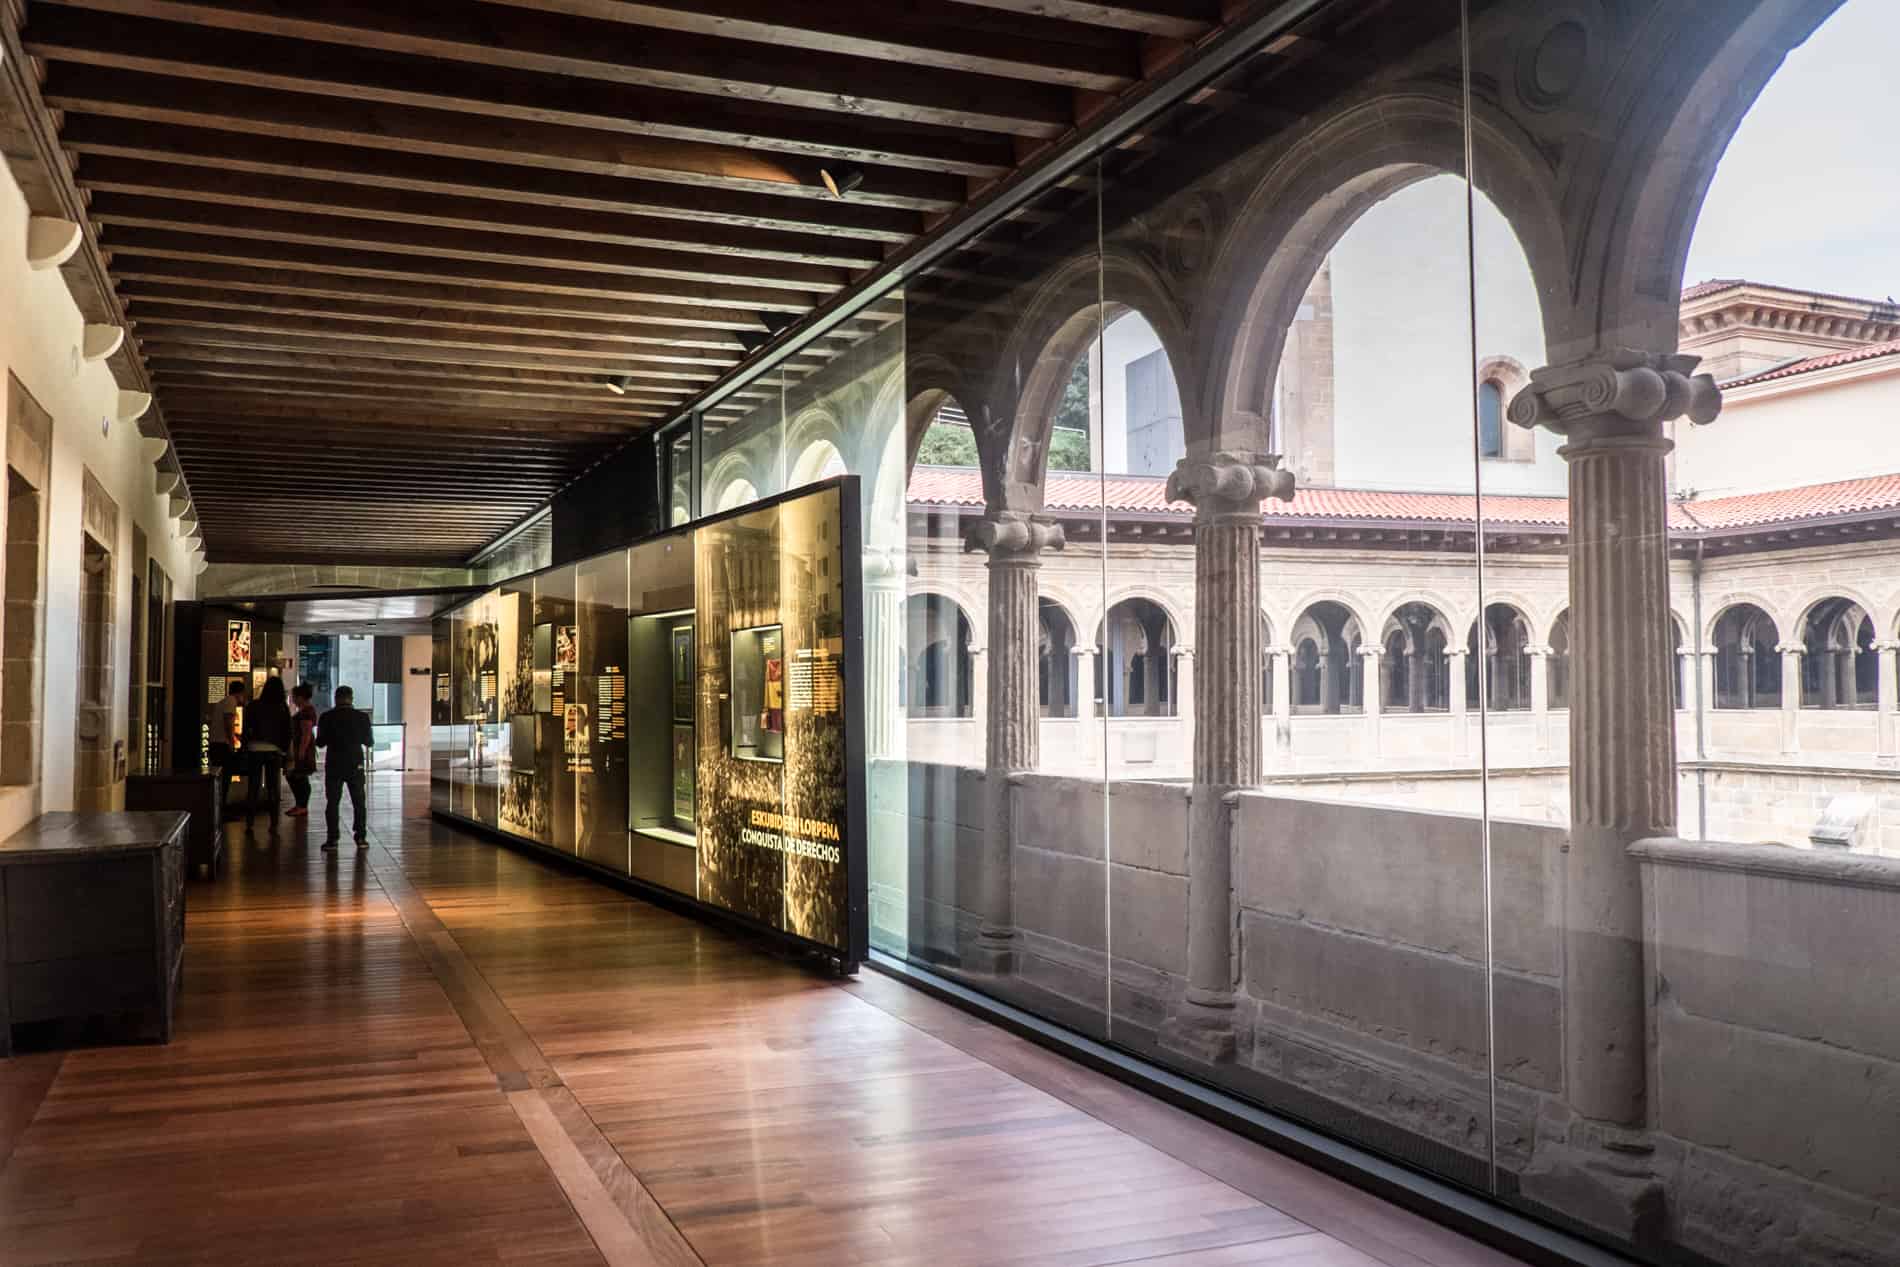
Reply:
x=436, y=1050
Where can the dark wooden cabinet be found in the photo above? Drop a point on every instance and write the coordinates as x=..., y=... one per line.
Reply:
x=200, y=795
x=92, y=918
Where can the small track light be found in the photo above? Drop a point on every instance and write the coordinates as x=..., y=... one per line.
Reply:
x=841, y=181
x=619, y=383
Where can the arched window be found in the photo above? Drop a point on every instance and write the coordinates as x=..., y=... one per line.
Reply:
x=1558, y=670
x=820, y=460
x=739, y=492
x=1491, y=418
x=1055, y=660
x=1504, y=658
x=1675, y=662
x=1839, y=667
x=938, y=674
x=1137, y=661
x=1415, y=678
x=1747, y=664
x=1326, y=666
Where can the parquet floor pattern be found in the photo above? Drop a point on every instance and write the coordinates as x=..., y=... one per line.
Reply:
x=440, y=1051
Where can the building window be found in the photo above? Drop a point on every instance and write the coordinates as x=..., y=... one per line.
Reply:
x=1055, y=661
x=1747, y=664
x=1839, y=667
x=1490, y=419
x=937, y=676
x=29, y=440
x=1414, y=669
x=1137, y=646
x=1327, y=668
x=1505, y=660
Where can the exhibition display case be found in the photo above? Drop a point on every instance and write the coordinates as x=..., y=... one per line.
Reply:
x=677, y=714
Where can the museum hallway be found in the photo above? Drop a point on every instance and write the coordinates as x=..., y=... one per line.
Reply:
x=440, y=1051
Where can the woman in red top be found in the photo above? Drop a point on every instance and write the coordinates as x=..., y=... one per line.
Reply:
x=302, y=760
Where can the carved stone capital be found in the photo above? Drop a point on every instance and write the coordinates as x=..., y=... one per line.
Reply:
x=1229, y=482
x=1013, y=534
x=884, y=565
x=1792, y=648
x=1371, y=651
x=1616, y=392
x=1884, y=645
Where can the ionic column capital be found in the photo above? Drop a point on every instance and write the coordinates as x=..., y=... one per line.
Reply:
x=1229, y=482
x=1181, y=653
x=1457, y=653
x=1540, y=652
x=1791, y=648
x=884, y=564
x=1013, y=535
x=1371, y=651
x=1281, y=650
x=1616, y=393
x=1884, y=644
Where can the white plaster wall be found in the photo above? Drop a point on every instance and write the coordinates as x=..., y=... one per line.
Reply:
x=417, y=688
x=1756, y=443
x=1402, y=357
x=39, y=331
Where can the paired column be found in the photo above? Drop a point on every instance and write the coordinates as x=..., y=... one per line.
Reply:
x=1282, y=698
x=1014, y=541
x=1885, y=701
x=1371, y=694
x=1455, y=686
x=1540, y=694
x=1610, y=407
x=1226, y=489
x=883, y=570
x=1791, y=653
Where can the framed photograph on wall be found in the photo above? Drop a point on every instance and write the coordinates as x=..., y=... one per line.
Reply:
x=758, y=693
x=683, y=673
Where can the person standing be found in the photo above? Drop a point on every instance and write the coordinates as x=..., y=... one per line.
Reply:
x=344, y=734
x=227, y=722
x=266, y=740
x=301, y=762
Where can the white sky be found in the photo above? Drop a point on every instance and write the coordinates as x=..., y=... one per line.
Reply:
x=1808, y=194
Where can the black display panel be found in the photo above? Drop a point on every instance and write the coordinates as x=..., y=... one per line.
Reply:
x=680, y=713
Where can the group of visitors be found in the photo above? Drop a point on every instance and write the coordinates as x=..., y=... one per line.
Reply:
x=271, y=734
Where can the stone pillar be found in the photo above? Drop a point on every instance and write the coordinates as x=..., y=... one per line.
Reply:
x=1791, y=653
x=1084, y=682
x=1226, y=489
x=883, y=652
x=1540, y=694
x=1370, y=695
x=1014, y=542
x=1455, y=685
x=1885, y=700
x=1282, y=699
x=1610, y=407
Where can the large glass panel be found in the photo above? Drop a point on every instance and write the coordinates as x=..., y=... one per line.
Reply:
x=663, y=682
x=1009, y=873
x=599, y=750
x=557, y=704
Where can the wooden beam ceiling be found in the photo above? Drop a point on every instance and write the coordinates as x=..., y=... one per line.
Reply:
x=404, y=247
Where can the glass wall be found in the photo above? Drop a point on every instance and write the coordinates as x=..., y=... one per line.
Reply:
x=1321, y=637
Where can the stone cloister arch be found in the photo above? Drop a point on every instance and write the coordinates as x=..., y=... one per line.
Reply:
x=1414, y=666
x=1594, y=130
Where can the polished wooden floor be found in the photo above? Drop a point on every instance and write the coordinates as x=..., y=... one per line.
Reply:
x=438, y=1051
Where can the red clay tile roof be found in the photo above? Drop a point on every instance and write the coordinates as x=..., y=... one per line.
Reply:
x=1826, y=361
x=1145, y=495
x=1712, y=286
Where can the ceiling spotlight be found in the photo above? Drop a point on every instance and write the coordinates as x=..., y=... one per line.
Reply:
x=841, y=181
x=619, y=383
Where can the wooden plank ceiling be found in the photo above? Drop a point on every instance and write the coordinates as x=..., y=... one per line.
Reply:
x=398, y=249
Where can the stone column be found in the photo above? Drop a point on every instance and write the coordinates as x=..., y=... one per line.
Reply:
x=1610, y=407
x=1282, y=699
x=1014, y=542
x=1455, y=684
x=1371, y=695
x=1226, y=489
x=1540, y=694
x=1084, y=682
x=1885, y=701
x=1791, y=653
x=1706, y=668
x=883, y=652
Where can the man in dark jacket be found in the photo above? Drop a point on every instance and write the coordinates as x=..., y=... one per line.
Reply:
x=343, y=733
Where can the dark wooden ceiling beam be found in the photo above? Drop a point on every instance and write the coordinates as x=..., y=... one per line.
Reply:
x=336, y=261
x=677, y=61
x=327, y=344
x=124, y=134
x=138, y=211
x=277, y=368
x=429, y=295
x=344, y=420
x=420, y=331
x=392, y=406
x=241, y=310
x=203, y=186
x=394, y=394
x=1025, y=46
x=1174, y=19
x=817, y=136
